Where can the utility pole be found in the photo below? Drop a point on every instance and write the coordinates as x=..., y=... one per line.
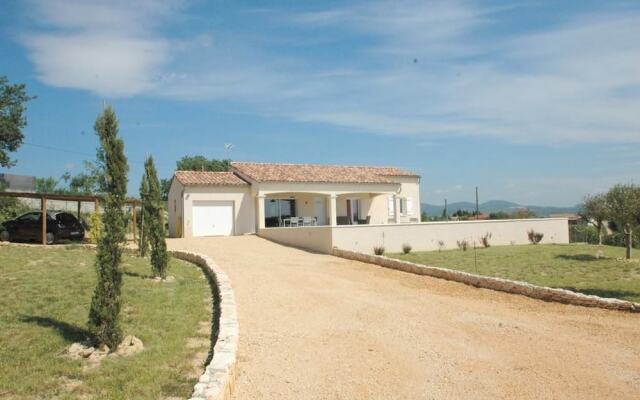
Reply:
x=446, y=212
x=477, y=206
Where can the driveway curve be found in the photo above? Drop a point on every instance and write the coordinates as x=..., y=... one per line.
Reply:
x=315, y=326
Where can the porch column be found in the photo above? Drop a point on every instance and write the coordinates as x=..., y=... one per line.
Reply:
x=396, y=209
x=260, y=209
x=333, y=210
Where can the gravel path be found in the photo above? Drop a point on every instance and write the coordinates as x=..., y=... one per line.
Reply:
x=319, y=327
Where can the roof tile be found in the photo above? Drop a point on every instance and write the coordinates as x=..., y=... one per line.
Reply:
x=317, y=173
x=193, y=178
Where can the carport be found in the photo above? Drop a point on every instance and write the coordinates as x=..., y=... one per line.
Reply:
x=44, y=197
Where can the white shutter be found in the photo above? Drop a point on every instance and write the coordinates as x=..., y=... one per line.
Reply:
x=409, y=206
x=391, y=206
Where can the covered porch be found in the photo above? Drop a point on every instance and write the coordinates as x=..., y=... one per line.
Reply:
x=300, y=209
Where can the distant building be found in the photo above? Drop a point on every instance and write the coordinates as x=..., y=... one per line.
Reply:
x=573, y=218
x=18, y=183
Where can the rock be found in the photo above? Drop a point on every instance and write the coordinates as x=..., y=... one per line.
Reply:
x=86, y=351
x=129, y=346
x=170, y=279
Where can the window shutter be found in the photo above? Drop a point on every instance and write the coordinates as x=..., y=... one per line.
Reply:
x=391, y=206
x=409, y=206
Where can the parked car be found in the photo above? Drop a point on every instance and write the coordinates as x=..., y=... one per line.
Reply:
x=28, y=227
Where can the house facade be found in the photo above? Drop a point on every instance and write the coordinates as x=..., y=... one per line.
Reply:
x=257, y=196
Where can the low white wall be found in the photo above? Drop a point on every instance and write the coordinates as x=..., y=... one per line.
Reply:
x=314, y=238
x=425, y=236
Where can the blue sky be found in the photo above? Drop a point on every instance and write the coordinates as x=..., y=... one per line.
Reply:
x=534, y=101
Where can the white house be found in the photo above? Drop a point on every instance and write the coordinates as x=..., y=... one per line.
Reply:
x=255, y=196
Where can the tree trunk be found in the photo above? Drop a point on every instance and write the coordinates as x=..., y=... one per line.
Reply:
x=629, y=243
x=600, y=233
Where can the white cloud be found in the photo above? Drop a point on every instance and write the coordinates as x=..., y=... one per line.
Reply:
x=426, y=69
x=107, y=48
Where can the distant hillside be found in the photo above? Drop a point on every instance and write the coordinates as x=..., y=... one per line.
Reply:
x=492, y=206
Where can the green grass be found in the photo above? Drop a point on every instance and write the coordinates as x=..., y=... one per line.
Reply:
x=44, y=302
x=574, y=267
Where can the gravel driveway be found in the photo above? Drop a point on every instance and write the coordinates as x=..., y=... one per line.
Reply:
x=315, y=326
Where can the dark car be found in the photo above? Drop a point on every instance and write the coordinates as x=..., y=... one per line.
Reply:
x=28, y=227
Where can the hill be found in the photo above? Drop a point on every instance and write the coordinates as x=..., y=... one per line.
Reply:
x=493, y=206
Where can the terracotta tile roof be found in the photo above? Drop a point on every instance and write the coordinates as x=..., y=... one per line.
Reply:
x=266, y=172
x=191, y=178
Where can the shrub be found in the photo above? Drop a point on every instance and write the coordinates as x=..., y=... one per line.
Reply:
x=440, y=245
x=105, y=304
x=583, y=234
x=406, y=248
x=462, y=245
x=378, y=250
x=619, y=239
x=485, y=240
x=534, y=237
x=95, y=228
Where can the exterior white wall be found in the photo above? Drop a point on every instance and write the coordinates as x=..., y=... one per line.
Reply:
x=425, y=236
x=314, y=238
x=243, y=205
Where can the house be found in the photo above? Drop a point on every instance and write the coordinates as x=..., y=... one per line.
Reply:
x=256, y=196
x=18, y=183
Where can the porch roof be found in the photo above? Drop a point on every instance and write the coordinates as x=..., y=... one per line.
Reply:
x=194, y=178
x=318, y=173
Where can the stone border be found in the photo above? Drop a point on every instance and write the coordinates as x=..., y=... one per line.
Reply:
x=216, y=382
x=487, y=282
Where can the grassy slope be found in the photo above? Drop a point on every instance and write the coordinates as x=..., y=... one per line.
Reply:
x=44, y=303
x=572, y=267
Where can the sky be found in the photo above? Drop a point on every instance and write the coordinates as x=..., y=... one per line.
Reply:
x=536, y=102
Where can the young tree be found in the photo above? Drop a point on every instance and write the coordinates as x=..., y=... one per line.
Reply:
x=105, y=305
x=144, y=214
x=594, y=208
x=13, y=100
x=155, y=221
x=623, y=204
x=201, y=163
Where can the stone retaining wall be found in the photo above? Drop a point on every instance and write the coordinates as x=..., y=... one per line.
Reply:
x=503, y=285
x=216, y=383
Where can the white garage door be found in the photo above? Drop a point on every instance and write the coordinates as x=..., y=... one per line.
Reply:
x=212, y=218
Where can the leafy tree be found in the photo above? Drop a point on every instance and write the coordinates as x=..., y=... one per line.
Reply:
x=91, y=180
x=47, y=185
x=165, y=184
x=201, y=163
x=10, y=207
x=105, y=305
x=156, y=232
x=594, y=208
x=144, y=214
x=13, y=100
x=623, y=204
x=499, y=215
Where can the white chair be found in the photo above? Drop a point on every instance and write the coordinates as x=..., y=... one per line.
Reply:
x=294, y=221
x=308, y=221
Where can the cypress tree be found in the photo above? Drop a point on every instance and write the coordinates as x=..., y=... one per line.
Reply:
x=105, y=304
x=144, y=214
x=156, y=232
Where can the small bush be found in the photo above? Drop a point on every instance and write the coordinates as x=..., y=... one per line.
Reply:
x=485, y=240
x=463, y=245
x=440, y=245
x=95, y=228
x=378, y=250
x=406, y=248
x=535, y=237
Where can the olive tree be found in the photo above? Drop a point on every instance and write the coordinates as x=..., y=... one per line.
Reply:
x=594, y=208
x=623, y=204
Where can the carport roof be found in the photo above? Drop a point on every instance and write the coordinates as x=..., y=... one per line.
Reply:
x=206, y=178
x=317, y=173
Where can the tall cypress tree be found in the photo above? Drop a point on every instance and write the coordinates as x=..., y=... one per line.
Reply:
x=156, y=231
x=105, y=305
x=144, y=214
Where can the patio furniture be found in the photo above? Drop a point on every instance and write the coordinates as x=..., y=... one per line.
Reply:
x=343, y=220
x=294, y=221
x=308, y=221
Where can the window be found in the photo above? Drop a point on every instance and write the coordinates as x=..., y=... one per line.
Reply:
x=409, y=206
x=403, y=206
x=34, y=216
x=391, y=207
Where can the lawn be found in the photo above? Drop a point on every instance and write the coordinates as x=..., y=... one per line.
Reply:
x=44, y=302
x=574, y=267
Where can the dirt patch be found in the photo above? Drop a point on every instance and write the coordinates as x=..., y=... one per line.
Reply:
x=197, y=343
x=93, y=355
x=315, y=326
